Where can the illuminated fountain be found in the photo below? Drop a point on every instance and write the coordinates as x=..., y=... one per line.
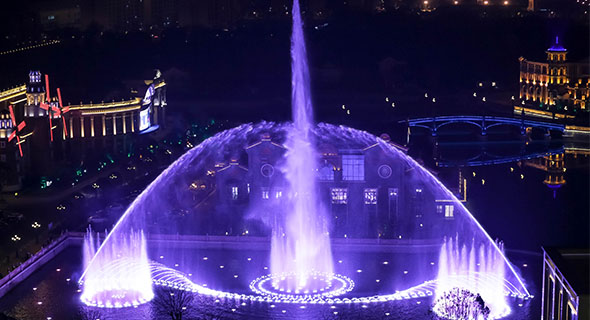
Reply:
x=300, y=240
x=477, y=268
x=228, y=186
x=120, y=275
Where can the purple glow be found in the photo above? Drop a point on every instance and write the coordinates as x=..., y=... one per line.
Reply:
x=120, y=276
x=477, y=268
x=301, y=242
x=556, y=46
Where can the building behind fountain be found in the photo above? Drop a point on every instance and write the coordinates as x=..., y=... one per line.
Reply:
x=367, y=193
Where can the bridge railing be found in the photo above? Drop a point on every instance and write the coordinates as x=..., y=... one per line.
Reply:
x=434, y=123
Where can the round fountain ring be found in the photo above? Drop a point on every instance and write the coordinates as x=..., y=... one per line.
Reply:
x=116, y=298
x=320, y=286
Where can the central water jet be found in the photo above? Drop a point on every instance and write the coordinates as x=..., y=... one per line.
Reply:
x=301, y=241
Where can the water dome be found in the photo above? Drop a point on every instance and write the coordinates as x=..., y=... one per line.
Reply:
x=291, y=195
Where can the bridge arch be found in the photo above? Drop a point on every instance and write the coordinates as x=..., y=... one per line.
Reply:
x=482, y=122
x=512, y=124
x=448, y=122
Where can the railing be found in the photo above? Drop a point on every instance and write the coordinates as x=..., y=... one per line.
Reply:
x=483, y=122
x=12, y=278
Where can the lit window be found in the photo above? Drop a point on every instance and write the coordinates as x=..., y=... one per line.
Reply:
x=265, y=193
x=439, y=208
x=278, y=194
x=449, y=211
x=234, y=193
x=353, y=167
x=339, y=195
x=393, y=192
x=371, y=196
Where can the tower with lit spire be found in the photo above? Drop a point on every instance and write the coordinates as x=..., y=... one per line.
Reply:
x=557, y=68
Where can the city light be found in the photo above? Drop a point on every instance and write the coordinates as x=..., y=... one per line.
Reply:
x=284, y=192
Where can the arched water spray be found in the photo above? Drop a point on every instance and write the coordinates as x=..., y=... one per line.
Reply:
x=107, y=285
x=117, y=271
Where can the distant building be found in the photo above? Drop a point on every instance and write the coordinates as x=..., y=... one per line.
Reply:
x=11, y=169
x=44, y=130
x=557, y=85
x=360, y=187
x=60, y=14
x=218, y=14
x=566, y=283
x=119, y=118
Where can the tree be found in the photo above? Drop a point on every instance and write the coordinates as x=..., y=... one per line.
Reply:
x=460, y=304
x=173, y=304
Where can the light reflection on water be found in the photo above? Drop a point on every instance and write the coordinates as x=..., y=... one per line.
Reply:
x=60, y=299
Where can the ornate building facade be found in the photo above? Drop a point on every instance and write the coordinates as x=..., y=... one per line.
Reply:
x=556, y=85
x=36, y=126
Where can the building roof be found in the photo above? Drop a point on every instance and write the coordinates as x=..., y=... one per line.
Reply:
x=12, y=93
x=110, y=107
x=556, y=46
x=573, y=265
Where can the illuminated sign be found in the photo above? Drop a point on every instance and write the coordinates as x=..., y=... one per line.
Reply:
x=144, y=119
x=147, y=99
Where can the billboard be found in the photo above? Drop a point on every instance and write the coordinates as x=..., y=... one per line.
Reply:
x=147, y=99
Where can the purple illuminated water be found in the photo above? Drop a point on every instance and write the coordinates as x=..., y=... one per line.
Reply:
x=120, y=276
x=119, y=273
x=301, y=240
x=478, y=268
